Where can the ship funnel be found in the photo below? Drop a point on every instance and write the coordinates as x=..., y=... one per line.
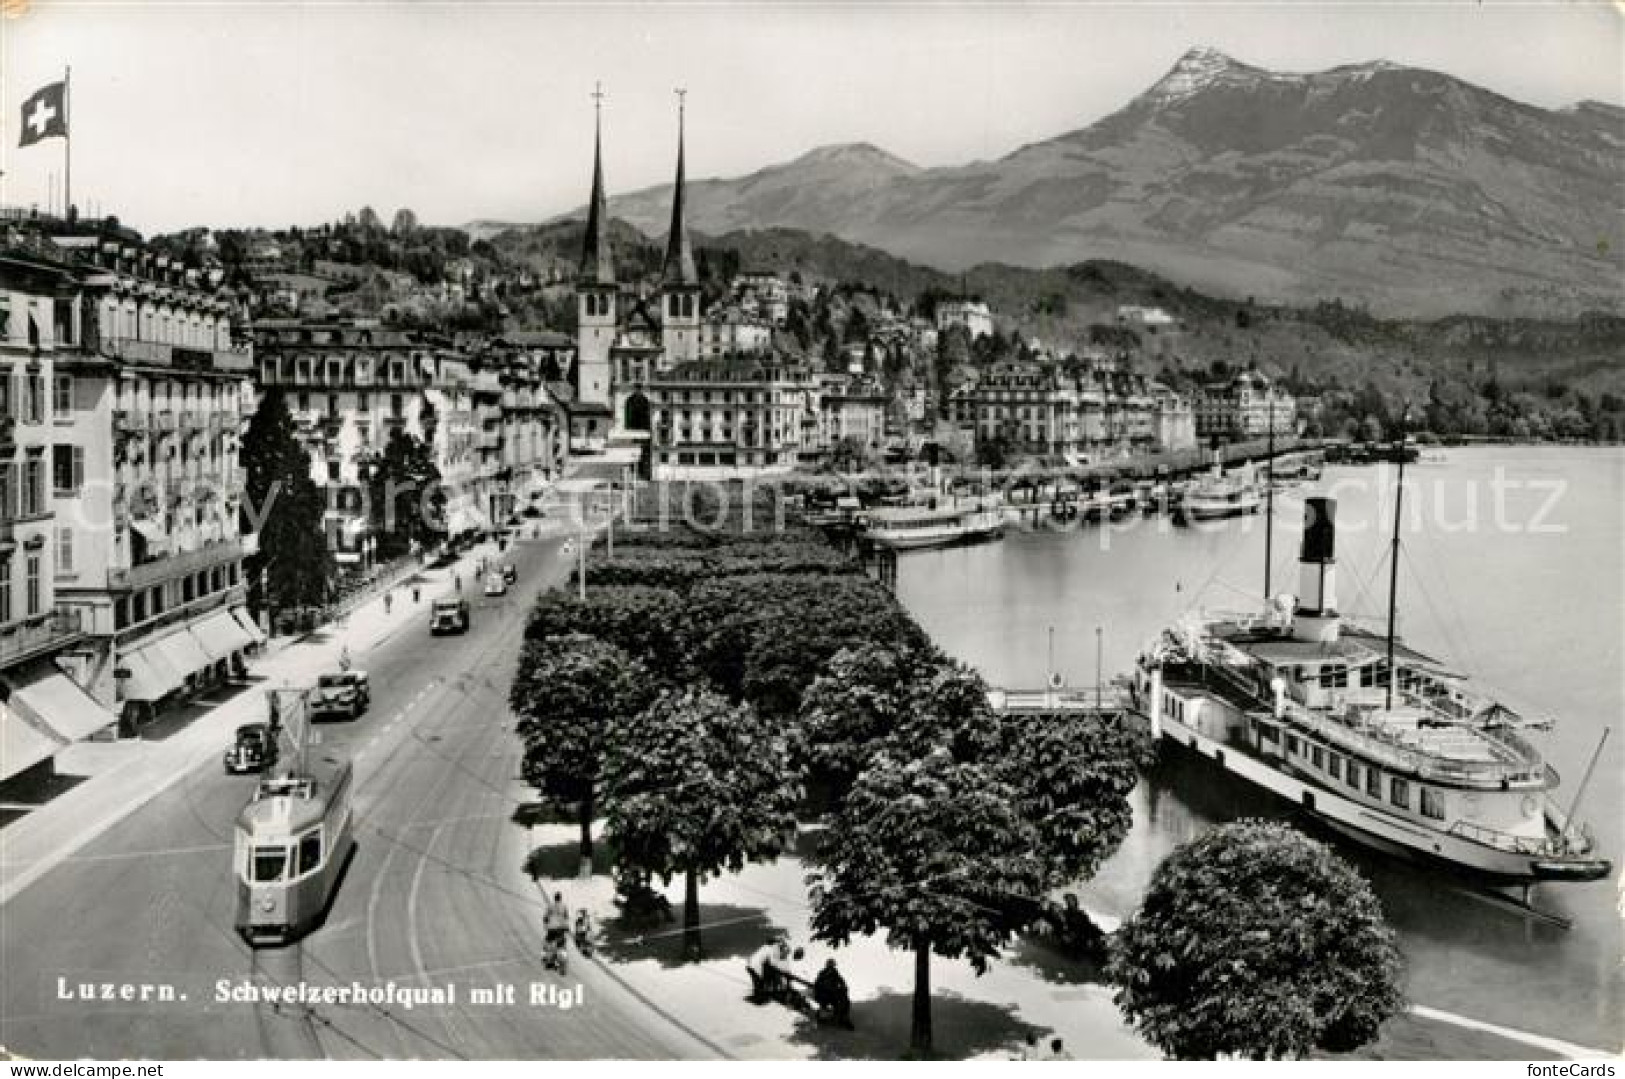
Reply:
x=1316, y=617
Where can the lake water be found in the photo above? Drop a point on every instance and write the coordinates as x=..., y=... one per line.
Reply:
x=1512, y=569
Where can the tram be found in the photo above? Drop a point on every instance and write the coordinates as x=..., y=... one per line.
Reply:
x=292, y=842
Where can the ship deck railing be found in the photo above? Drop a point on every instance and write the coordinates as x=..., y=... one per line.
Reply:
x=1516, y=844
x=1373, y=745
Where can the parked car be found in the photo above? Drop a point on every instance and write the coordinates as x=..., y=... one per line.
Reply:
x=509, y=574
x=253, y=751
x=496, y=584
x=448, y=616
x=342, y=693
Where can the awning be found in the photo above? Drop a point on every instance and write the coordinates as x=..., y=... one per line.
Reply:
x=151, y=676
x=183, y=652
x=219, y=635
x=22, y=745
x=243, y=619
x=42, y=689
x=157, y=539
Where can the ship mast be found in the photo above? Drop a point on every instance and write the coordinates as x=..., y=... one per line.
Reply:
x=1269, y=500
x=1393, y=568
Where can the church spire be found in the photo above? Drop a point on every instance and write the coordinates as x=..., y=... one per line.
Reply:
x=597, y=265
x=679, y=268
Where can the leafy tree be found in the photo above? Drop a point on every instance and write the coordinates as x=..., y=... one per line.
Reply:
x=929, y=850
x=1073, y=775
x=693, y=786
x=566, y=693
x=765, y=637
x=406, y=223
x=848, y=710
x=406, y=499
x=642, y=621
x=283, y=504
x=1255, y=941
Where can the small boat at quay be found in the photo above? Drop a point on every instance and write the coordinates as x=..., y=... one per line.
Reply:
x=914, y=527
x=1218, y=496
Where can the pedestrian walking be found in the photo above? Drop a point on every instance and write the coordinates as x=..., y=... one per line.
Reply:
x=389, y=601
x=414, y=593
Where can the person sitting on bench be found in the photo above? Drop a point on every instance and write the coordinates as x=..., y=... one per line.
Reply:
x=760, y=968
x=831, y=995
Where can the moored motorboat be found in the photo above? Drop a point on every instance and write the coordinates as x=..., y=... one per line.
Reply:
x=912, y=527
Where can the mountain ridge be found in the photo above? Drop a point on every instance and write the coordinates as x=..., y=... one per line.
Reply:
x=1407, y=190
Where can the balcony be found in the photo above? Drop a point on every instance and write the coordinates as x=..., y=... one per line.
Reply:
x=174, y=565
x=156, y=354
x=42, y=633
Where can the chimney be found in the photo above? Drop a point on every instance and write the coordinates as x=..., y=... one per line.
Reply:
x=1316, y=618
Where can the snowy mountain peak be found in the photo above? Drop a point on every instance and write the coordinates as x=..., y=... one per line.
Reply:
x=1195, y=71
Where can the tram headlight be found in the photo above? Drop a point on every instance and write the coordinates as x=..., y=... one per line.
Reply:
x=267, y=904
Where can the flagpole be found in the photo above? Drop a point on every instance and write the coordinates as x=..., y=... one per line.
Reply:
x=67, y=140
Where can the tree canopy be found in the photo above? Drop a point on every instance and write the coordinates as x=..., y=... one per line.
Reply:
x=407, y=501
x=929, y=851
x=1256, y=941
x=285, y=507
x=567, y=693
x=695, y=785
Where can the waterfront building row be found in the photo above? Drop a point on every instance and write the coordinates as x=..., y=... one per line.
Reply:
x=122, y=400
x=1043, y=409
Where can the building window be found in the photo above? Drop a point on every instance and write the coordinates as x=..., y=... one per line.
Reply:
x=332, y=471
x=33, y=487
x=67, y=469
x=62, y=396
x=5, y=588
x=64, y=550
x=121, y=612
x=1432, y=803
x=34, y=599
x=1399, y=792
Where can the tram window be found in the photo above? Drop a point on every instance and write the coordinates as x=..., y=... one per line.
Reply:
x=1268, y=734
x=1334, y=766
x=1432, y=803
x=1292, y=743
x=1373, y=782
x=1354, y=775
x=270, y=863
x=1317, y=757
x=1399, y=793
x=310, y=852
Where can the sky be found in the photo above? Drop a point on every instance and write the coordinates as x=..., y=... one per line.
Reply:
x=243, y=113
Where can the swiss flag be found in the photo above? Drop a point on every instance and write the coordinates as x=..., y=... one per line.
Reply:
x=45, y=114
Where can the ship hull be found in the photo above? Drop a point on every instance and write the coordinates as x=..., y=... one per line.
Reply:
x=1379, y=830
x=920, y=539
x=1217, y=511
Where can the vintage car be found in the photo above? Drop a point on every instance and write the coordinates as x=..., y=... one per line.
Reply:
x=496, y=584
x=509, y=574
x=342, y=693
x=253, y=751
x=448, y=616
